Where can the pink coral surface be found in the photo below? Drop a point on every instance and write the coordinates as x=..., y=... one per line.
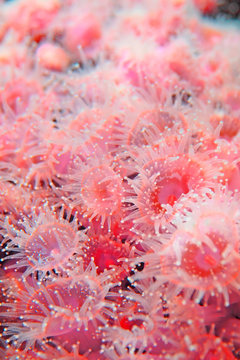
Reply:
x=119, y=181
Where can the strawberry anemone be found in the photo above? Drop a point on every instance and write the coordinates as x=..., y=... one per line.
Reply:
x=95, y=189
x=164, y=185
x=140, y=325
x=201, y=257
x=66, y=309
x=44, y=242
x=153, y=124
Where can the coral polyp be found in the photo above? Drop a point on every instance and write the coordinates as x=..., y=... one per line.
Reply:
x=95, y=190
x=164, y=185
x=42, y=242
x=200, y=258
x=62, y=309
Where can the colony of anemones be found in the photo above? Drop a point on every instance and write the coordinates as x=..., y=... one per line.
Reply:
x=120, y=179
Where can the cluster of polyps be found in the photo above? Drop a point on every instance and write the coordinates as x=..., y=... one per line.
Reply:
x=120, y=179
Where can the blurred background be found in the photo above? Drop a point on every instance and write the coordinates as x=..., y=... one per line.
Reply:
x=219, y=8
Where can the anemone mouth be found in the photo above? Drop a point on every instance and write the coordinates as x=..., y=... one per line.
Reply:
x=169, y=179
x=101, y=189
x=203, y=257
x=220, y=230
x=201, y=262
x=166, y=192
x=208, y=254
x=50, y=245
x=106, y=253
